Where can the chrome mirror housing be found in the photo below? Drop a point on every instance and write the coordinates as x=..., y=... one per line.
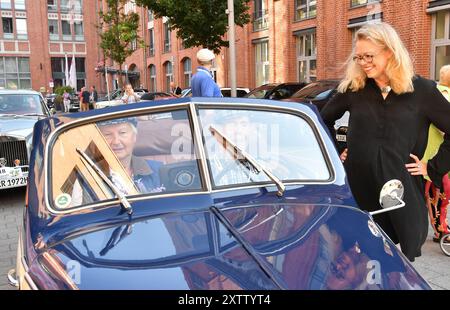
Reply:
x=391, y=196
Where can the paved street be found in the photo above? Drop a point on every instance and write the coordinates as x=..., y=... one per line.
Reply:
x=434, y=266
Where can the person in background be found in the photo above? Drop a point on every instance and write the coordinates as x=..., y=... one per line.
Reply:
x=438, y=199
x=93, y=97
x=175, y=91
x=203, y=84
x=130, y=96
x=391, y=110
x=84, y=103
x=66, y=101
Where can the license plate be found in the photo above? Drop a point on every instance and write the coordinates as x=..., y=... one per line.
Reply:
x=13, y=182
x=341, y=138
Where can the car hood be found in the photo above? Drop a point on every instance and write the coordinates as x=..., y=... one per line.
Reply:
x=279, y=246
x=17, y=125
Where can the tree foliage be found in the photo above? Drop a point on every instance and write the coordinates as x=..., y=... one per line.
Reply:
x=118, y=32
x=199, y=22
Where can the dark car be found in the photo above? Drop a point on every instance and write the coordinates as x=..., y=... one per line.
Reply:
x=195, y=194
x=157, y=96
x=50, y=100
x=319, y=93
x=276, y=91
x=226, y=92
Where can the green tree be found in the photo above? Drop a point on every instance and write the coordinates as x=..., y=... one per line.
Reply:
x=199, y=22
x=118, y=32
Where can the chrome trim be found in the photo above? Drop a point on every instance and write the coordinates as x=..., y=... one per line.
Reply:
x=199, y=146
x=30, y=282
x=187, y=106
x=12, y=280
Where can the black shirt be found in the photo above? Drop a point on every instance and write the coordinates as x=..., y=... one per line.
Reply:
x=85, y=94
x=381, y=135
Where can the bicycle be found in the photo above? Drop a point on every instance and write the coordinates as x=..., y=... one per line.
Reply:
x=445, y=244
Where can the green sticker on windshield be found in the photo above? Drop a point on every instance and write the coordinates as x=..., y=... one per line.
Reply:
x=63, y=200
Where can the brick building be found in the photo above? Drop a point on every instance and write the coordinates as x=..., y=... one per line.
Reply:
x=287, y=40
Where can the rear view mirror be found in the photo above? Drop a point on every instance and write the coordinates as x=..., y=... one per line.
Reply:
x=391, y=196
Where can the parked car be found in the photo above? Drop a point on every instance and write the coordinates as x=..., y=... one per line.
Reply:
x=276, y=91
x=50, y=100
x=211, y=193
x=19, y=111
x=115, y=98
x=226, y=92
x=319, y=93
x=157, y=96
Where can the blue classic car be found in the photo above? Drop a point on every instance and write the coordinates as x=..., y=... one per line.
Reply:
x=198, y=193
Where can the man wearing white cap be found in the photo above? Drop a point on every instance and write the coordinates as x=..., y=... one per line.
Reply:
x=202, y=83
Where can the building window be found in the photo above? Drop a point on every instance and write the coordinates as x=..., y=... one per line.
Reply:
x=187, y=72
x=53, y=29
x=5, y=4
x=71, y=6
x=440, y=42
x=167, y=42
x=354, y=3
x=21, y=28
x=19, y=4
x=306, y=57
x=15, y=73
x=152, y=70
x=52, y=5
x=151, y=44
x=66, y=31
x=58, y=70
x=79, y=30
x=8, y=31
x=151, y=17
x=168, y=73
x=261, y=63
x=305, y=9
x=259, y=16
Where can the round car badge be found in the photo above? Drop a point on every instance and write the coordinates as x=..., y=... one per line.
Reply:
x=373, y=228
x=63, y=200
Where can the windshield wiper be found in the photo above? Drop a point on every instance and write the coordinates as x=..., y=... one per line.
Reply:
x=33, y=114
x=247, y=160
x=122, y=198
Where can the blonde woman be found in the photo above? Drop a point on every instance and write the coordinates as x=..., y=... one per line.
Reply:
x=390, y=112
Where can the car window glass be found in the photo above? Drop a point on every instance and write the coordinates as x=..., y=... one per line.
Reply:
x=20, y=104
x=145, y=154
x=312, y=91
x=269, y=138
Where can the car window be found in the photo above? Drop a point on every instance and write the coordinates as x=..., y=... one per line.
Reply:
x=20, y=104
x=314, y=91
x=269, y=138
x=145, y=154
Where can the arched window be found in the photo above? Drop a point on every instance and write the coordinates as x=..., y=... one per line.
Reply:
x=169, y=75
x=187, y=72
x=152, y=69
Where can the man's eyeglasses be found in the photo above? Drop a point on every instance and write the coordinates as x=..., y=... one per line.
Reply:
x=368, y=58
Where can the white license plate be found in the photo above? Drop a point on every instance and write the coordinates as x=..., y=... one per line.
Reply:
x=341, y=138
x=13, y=182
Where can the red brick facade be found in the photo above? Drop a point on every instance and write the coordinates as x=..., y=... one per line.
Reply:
x=331, y=26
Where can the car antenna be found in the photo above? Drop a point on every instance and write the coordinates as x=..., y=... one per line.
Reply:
x=122, y=197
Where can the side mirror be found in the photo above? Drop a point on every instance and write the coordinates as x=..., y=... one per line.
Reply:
x=391, y=196
x=52, y=111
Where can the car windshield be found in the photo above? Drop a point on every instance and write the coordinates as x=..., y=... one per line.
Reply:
x=260, y=92
x=266, y=137
x=314, y=91
x=21, y=104
x=145, y=154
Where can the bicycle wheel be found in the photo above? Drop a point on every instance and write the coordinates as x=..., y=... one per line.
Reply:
x=445, y=244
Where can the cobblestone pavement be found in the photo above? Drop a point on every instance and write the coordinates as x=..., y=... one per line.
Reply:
x=434, y=266
x=11, y=207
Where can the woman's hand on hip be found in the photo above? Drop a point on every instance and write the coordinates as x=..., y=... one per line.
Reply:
x=418, y=167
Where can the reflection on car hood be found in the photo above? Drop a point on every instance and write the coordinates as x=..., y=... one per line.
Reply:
x=17, y=125
x=299, y=246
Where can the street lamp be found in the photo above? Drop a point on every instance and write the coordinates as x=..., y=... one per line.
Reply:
x=231, y=35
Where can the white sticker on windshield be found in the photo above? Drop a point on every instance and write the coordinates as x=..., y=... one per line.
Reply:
x=63, y=200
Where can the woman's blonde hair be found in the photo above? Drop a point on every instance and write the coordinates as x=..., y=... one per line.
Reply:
x=399, y=68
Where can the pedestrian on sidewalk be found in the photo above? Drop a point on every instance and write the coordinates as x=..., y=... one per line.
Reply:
x=93, y=97
x=84, y=99
x=203, y=84
x=391, y=110
x=438, y=198
x=66, y=101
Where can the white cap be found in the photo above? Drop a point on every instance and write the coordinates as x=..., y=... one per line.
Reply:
x=205, y=55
